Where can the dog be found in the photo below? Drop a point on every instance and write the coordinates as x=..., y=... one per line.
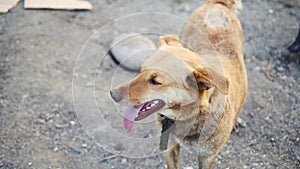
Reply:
x=196, y=84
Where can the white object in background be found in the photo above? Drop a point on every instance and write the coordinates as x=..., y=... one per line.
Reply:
x=6, y=5
x=58, y=4
x=131, y=50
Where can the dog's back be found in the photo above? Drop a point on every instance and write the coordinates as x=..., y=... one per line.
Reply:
x=215, y=26
x=214, y=32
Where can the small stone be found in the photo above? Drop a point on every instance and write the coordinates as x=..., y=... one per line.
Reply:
x=188, y=168
x=187, y=8
x=30, y=164
x=241, y=122
x=271, y=11
x=131, y=50
x=89, y=84
x=124, y=161
x=272, y=139
x=280, y=69
x=84, y=76
x=41, y=121
x=1, y=164
x=9, y=165
x=60, y=126
x=55, y=149
x=72, y=123
x=84, y=145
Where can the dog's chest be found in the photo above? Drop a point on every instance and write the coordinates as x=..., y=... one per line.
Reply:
x=188, y=134
x=192, y=145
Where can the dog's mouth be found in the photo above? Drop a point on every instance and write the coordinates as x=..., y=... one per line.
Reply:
x=141, y=111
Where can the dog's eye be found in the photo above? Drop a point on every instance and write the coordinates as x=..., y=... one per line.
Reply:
x=154, y=82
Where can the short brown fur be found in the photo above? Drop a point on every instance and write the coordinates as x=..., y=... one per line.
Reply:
x=203, y=101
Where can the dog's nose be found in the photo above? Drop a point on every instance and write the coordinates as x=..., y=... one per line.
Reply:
x=116, y=95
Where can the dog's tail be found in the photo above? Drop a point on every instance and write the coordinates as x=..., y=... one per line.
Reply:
x=233, y=5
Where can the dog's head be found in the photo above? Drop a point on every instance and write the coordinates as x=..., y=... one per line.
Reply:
x=173, y=82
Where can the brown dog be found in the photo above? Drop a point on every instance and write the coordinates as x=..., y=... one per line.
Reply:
x=195, y=85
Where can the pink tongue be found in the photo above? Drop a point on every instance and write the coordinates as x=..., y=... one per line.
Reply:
x=130, y=114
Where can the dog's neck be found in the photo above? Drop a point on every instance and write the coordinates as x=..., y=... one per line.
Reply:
x=202, y=122
x=208, y=120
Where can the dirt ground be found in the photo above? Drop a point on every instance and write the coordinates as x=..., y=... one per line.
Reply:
x=39, y=50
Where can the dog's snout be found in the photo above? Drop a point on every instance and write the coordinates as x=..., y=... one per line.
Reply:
x=116, y=95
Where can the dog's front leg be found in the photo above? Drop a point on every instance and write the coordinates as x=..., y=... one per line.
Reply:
x=207, y=162
x=172, y=157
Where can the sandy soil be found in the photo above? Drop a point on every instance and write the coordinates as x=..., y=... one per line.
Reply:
x=39, y=50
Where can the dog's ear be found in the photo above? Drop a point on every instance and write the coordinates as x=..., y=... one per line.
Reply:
x=207, y=78
x=169, y=40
